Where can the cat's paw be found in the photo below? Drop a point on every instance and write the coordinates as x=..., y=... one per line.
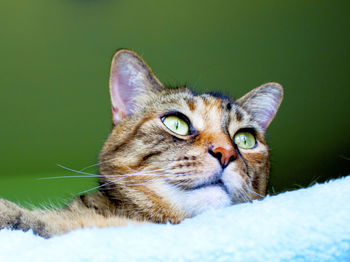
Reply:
x=10, y=214
x=14, y=217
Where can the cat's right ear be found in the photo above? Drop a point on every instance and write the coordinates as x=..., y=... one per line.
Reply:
x=263, y=102
x=131, y=81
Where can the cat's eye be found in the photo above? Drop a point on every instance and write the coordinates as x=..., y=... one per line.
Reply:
x=245, y=140
x=177, y=125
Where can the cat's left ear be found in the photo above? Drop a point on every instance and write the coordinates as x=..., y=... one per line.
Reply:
x=131, y=82
x=262, y=103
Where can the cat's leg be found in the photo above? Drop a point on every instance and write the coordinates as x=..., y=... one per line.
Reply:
x=47, y=223
x=16, y=218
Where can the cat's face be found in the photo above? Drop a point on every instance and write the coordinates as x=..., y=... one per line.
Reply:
x=176, y=153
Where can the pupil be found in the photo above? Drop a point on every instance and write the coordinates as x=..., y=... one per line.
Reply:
x=176, y=124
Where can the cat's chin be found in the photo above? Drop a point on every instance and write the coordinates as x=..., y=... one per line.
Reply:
x=195, y=201
x=205, y=198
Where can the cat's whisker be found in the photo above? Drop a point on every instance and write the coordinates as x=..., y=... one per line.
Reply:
x=96, y=187
x=235, y=197
x=110, y=160
x=76, y=171
x=149, y=173
x=154, y=161
x=248, y=188
x=114, y=182
x=246, y=195
x=144, y=190
x=123, y=180
x=99, y=163
x=241, y=194
x=176, y=160
x=59, y=177
x=143, y=173
x=89, y=175
x=181, y=182
x=88, y=190
x=128, y=179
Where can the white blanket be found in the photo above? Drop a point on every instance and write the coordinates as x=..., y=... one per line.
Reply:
x=310, y=224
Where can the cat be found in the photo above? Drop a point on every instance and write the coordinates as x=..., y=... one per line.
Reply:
x=172, y=154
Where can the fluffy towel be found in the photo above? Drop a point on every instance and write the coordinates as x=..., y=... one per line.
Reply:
x=311, y=224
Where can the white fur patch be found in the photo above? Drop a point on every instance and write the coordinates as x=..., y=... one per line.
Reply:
x=206, y=198
x=232, y=180
x=193, y=202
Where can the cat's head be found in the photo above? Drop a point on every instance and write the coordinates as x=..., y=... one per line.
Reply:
x=173, y=153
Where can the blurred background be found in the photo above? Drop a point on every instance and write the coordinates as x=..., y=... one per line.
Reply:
x=55, y=58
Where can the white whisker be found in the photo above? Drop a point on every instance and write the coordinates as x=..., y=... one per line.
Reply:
x=58, y=177
x=154, y=161
x=99, y=163
x=96, y=187
x=253, y=192
x=76, y=171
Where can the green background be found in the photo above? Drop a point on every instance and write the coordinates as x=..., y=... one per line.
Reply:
x=55, y=58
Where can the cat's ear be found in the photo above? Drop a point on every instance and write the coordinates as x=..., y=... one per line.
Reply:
x=262, y=103
x=131, y=80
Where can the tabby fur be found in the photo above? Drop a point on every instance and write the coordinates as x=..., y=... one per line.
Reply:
x=148, y=173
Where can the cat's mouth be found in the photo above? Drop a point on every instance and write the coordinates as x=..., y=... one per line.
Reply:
x=218, y=183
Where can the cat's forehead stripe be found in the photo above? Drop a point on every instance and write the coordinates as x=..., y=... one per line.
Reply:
x=191, y=103
x=211, y=113
x=197, y=115
x=208, y=113
x=238, y=114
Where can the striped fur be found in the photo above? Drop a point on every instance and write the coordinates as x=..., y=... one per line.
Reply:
x=150, y=174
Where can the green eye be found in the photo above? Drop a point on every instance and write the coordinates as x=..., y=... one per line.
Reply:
x=177, y=125
x=245, y=140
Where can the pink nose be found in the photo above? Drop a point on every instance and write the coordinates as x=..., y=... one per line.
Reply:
x=224, y=155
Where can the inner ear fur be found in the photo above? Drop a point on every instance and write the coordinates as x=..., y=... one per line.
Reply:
x=131, y=82
x=263, y=102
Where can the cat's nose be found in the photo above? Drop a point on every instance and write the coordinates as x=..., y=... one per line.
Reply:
x=224, y=155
